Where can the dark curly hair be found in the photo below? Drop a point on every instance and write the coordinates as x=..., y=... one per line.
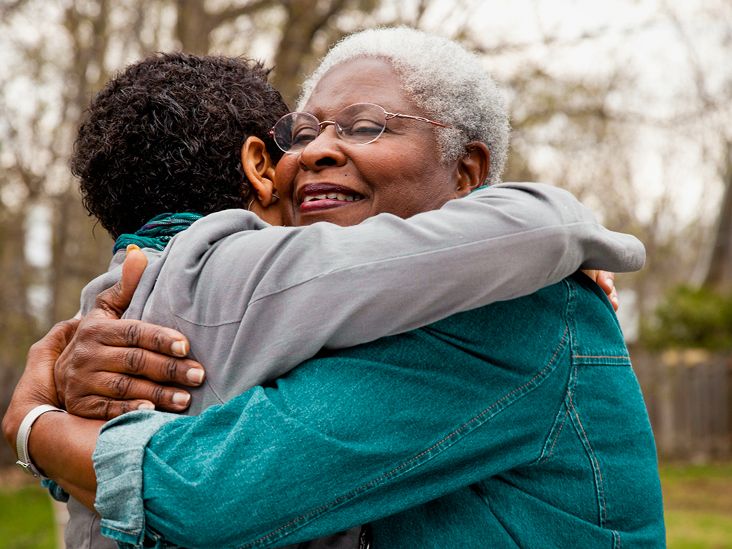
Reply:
x=165, y=135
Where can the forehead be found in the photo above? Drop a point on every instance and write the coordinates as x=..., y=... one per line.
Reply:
x=362, y=80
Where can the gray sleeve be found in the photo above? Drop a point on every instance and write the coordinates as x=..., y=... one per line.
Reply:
x=263, y=301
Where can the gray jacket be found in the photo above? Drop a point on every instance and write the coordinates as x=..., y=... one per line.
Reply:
x=255, y=303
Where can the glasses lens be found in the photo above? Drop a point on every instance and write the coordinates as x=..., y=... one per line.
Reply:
x=361, y=123
x=294, y=131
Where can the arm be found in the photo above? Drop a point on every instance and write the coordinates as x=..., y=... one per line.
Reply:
x=385, y=276
x=75, y=472
x=339, y=441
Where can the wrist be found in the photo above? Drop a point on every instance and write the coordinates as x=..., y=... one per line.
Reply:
x=15, y=414
x=23, y=437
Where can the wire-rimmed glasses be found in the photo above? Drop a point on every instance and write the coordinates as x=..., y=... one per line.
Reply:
x=360, y=123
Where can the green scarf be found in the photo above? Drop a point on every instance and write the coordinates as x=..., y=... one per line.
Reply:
x=157, y=232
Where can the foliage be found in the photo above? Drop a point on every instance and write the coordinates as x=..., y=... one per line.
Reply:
x=691, y=317
x=26, y=519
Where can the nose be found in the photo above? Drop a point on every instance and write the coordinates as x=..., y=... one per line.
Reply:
x=324, y=151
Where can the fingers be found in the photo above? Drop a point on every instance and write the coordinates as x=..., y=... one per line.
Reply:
x=134, y=333
x=132, y=269
x=116, y=394
x=123, y=387
x=99, y=407
x=606, y=281
x=129, y=347
x=614, y=301
x=161, y=368
x=119, y=393
x=112, y=302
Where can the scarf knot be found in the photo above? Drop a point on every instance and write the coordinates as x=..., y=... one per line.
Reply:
x=157, y=232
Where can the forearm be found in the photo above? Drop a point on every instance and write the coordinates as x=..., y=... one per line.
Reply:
x=310, y=457
x=61, y=446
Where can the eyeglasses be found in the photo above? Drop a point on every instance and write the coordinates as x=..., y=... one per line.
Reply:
x=360, y=123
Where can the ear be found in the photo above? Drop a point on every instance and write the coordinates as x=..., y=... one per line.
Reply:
x=259, y=169
x=472, y=168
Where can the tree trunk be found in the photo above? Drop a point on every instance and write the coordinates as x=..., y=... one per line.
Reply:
x=193, y=26
x=719, y=274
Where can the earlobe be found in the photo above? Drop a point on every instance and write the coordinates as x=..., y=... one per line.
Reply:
x=472, y=168
x=259, y=170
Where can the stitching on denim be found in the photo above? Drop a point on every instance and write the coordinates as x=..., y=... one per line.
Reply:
x=447, y=441
x=554, y=443
x=554, y=433
x=602, y=356
x=617, y=543
x=570, y=387
x=596, y=472
x=577, y=422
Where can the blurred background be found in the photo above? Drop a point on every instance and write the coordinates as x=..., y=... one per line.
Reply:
x=628, y=104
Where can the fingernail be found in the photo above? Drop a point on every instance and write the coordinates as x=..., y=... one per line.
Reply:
x=181, y=398
x=131, y=247
x=146, y=406
x=179, y=348
x=195, y=375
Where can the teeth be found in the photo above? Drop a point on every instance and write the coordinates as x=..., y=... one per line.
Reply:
x=331, y=196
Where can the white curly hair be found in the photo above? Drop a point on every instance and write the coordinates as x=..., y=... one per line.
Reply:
x=441, y=77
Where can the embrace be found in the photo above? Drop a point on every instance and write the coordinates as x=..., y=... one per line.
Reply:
x=340, y=328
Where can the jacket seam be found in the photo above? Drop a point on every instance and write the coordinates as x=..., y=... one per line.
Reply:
x=595, y=464
x=422, y=457
x=575, y=416
x=553, y=434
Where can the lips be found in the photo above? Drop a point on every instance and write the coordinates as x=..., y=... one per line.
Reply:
x=322, y=196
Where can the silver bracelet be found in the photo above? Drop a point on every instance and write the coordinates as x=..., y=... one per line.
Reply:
x=21, y=442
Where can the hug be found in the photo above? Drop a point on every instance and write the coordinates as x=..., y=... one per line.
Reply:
x=369, y=340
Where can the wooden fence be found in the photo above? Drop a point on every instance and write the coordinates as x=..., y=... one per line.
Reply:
x=689, y=398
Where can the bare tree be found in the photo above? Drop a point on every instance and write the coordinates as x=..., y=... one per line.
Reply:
x=719, y=273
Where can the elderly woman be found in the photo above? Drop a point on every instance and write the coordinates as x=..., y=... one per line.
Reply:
x=517, y=423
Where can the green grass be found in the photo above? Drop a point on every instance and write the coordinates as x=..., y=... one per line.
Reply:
x=697, y=499
x=698, y=505
x=26, y=519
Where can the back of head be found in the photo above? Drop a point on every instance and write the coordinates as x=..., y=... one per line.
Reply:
x=443, y=78
x=165, y=135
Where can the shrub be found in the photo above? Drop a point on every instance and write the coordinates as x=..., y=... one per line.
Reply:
x=691, y=317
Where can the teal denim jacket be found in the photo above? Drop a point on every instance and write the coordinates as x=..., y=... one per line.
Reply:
x=516, y=424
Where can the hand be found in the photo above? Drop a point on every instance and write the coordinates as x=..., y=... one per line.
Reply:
x=606, y=281
x=36, y=385
x=113, y=366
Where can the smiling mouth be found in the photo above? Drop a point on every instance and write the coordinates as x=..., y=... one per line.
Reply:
x=331, y=196
x=324, y=196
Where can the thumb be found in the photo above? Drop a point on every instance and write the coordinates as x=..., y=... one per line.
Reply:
x=132, y=269
x=113, y=302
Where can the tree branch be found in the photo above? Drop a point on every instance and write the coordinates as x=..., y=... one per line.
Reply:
x=232, y=12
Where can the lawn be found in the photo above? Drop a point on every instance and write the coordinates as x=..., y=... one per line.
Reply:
x=698, y=502
x=26, y=520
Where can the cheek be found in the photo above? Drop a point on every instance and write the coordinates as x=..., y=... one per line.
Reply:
x=285, y=173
